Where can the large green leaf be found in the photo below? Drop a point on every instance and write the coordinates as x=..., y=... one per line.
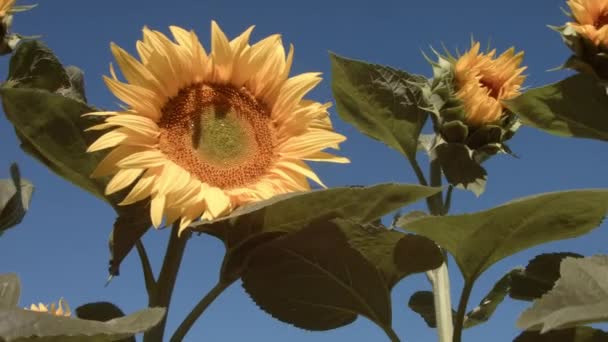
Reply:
x=51, y=125
x=479, y=240
x=538, y=277
x=21, y=325
x=15, y=197
x=379, y=101
x=260, y=223
x=315, y=280
x=574, y=107
x=10, y=290
x=577, y=334
x=580, y=296
x=17, y=324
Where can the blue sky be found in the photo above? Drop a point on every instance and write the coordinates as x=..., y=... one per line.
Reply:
x=60, y=249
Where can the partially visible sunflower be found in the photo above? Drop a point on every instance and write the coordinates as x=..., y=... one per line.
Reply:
x=60, y=309
x=203, y=133
x=6, y=6
x=591, y=20
x=483, y=81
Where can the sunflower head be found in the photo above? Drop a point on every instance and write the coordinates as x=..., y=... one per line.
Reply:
x=60, y=309
x=202, y=133
x=587, y=36
x=466, y=95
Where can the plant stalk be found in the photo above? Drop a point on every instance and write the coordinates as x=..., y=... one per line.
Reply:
x=439, y=277
x=166, y=281
x=392, y=335
x=462, y=308
x=198, y=310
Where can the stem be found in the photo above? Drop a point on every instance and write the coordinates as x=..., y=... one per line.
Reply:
x=435, y=202
x=448, y=200
x=147, y=269
x=418, y=171
x=439, y=278
x=198, y=310
x=391, y=334
x=166, y=281
x=462, y=308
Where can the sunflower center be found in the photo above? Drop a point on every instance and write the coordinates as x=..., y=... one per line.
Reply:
x=492, y=85
x=601, y=21
x=220, y=134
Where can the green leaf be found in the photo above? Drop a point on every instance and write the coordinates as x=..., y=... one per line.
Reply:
x=487, y=306
x=578, y=334
x=10, y=290
x=379, y=101
x=315, y=280
x=423, y=303
x=395, y=254
x=460, y=169
x=28, y=326
x=132, y=223
x=102, y=312
x=580, y=296
x=15, y=197
x=259, y=223
x=574, y=107
x=539, y=276
x=33, y=65
x=52, y=126
x=480, y=239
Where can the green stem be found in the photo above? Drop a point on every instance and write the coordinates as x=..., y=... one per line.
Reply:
x=418, y=171
x=448, y=200
x=392, y=335
x=462, y=308
x=435, y=202
x=166, y=281
x=198, y=310
x=147, y=269
x=439, y=277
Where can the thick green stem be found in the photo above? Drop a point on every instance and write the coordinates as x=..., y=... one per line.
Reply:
x=198, y=310
x=462, y=308
x=439, y=278
x=166, y=281
x=435, y=202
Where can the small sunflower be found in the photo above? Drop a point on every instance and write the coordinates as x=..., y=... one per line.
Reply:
x=60, y=309
x=6, y=6
x=483, y=81
x=203, y=133
x=591, y=20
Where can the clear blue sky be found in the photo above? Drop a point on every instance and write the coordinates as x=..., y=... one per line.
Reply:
x=60, y=249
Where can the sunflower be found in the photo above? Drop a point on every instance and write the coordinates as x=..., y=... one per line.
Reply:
x=6, y=6
x=483, y=81
x=54, y=309
x=591, y=18
x=204, y=133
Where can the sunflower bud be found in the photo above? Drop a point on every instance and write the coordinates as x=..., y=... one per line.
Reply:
x=465, y=95
x=587, y=36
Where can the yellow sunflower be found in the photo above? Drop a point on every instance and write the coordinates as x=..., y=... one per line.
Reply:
x=53, y=309
x=203, y=133
x=6, y=6
x=483, y=81
x=591, y=20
